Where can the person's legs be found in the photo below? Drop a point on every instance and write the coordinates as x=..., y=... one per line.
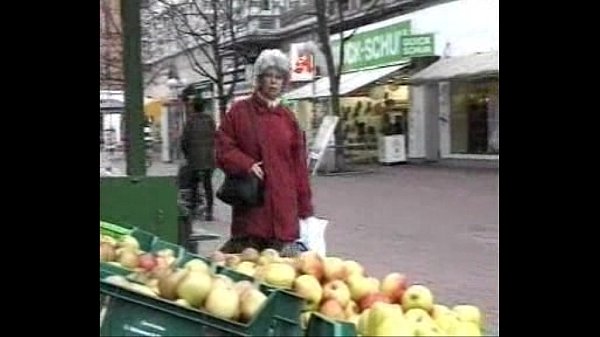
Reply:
x=195, y=200
x=208, y=194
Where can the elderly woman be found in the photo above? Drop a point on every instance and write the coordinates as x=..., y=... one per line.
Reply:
x=261, y=137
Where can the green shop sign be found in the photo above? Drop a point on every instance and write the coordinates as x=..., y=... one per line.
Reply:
x=417, y=45
x=382, y=46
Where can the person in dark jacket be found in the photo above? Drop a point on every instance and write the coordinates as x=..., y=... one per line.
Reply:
x=198, y=147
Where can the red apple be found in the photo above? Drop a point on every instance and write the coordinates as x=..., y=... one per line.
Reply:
x=332, y=309
x=394, y=285
x=147, y=262
x=367, y=301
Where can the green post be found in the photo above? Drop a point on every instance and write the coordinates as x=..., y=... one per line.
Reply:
x=134, y=109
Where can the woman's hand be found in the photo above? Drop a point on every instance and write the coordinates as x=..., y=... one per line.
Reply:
x=257, y=170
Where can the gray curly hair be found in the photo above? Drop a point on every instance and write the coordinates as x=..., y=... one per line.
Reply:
x=271, y=58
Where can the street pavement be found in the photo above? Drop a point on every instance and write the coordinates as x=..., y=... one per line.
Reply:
x=437, y=224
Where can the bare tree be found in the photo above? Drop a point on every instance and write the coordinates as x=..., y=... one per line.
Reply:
x=111, y=45
x=198, y=29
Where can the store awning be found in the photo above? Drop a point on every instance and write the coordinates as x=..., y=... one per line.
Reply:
x=469, y=66
x=349, y=82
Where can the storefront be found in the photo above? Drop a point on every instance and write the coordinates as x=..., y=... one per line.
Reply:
x=455, y=109
x=374, y=94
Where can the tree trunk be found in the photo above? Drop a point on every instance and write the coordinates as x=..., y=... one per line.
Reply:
x=323, y=33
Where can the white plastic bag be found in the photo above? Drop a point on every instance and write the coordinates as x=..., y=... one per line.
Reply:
x=312, y=234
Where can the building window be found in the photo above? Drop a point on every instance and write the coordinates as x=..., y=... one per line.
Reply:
x=265, y=5
x=474, y=120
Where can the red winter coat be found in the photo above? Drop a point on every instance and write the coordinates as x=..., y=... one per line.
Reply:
x=287, y=187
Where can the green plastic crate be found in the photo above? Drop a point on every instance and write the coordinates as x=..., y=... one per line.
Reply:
x=145, y=239
x=131, y=314
x=319, y=325
x=114, y=229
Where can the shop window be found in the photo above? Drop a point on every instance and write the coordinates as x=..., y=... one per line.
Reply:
x=474, y=120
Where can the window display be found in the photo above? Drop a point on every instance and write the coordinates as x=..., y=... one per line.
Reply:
x=474, y=117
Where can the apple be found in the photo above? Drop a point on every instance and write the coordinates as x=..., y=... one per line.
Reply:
x=394, y=285
x=146, y=262
x=351, y=310
x=251, y=301
x=161, y=262
x=466, y=329
x=361, y=286
x=439, y=310
x=309, y=288
x=427, y=328
x=334, y=269
x=232, y=260
x=250, y=254
x=183, y=303
x=280, y=275
x=223, y=302
x=129, y=242
x=418, y=315
x=242, y=286
x=332, y=309
x=367, y=301
x=108, y=239
x=218, y=258
x=468, y=313
x=195, y=287
x=354, y=268
x=270, y=252
x=311, y=263
x=417, y=296
x=221, y=280
x=107, y=252
x=142, y=289
x=386, y=319
x=246, y=268
x=196, y=264
x=337, y=290
x=361, y=327
x=446, y=320
x=128, y=259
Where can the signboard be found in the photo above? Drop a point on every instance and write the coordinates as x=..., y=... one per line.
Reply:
x=323, y=139
x=383, y=46
x=418, y=45
x=377, y=47
x=302, y=63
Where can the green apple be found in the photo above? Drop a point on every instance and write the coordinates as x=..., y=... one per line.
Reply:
x=417, y=296
x=468, y=313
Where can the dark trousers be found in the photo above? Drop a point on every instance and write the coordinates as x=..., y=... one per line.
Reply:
x=204, y=177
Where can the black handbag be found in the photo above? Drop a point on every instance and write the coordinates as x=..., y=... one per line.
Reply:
x=243, y=190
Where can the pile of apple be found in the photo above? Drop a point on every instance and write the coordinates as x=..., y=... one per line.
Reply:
x=341, y=290
x=197, y=286
x=125, y=253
